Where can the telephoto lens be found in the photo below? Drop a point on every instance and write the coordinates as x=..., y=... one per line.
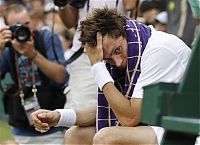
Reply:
x=21, y=32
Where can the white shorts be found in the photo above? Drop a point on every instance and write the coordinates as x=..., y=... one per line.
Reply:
x=159, y=131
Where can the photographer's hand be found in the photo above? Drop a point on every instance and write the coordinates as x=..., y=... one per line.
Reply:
x=27, y=49
x=5, y=36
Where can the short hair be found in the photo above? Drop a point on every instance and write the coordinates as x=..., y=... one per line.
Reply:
x=106, y=21
x=13, y=8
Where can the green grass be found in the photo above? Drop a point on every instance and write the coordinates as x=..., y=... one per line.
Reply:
x=5, y=132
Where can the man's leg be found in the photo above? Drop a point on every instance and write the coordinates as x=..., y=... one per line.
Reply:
x=140, y=135
x=80, y=135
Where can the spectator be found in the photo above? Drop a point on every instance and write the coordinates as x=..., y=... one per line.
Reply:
x=38, y=77
x=135, y=56
x=149, y=10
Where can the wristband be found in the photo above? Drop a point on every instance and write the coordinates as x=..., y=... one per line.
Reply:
x=67, y=117
x=101, y=74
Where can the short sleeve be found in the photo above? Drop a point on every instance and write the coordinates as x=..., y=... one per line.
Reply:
x=157, y=65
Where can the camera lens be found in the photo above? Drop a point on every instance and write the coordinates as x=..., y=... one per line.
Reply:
x=22, y=34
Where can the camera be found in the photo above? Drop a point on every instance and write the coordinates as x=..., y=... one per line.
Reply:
x=74, y=3
x=21, y=32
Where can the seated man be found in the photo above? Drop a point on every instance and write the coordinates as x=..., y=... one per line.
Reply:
x=125, y=56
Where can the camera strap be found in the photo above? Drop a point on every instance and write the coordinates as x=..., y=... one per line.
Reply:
x=20, y=82
x=74, y=56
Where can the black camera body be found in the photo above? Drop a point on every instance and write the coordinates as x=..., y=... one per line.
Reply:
x=21, y=32
x=74, y=3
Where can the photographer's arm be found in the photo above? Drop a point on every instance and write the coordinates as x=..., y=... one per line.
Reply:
x=69, y=16
x=52, y=70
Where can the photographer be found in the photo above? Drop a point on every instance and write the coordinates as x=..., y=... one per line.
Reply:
x=33, y=58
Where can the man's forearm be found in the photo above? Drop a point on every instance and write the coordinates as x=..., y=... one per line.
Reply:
x=52, y=70
x=86, y=116
x=123, y=108
x=127, y=111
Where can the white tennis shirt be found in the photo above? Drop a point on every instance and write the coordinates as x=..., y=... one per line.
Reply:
x=164, y=60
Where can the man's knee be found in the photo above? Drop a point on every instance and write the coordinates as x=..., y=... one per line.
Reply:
x=104, y=136
x=70, y=134
x=79, y=135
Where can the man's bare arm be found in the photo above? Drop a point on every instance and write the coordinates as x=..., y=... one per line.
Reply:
x=127, y=111
x=86, y=116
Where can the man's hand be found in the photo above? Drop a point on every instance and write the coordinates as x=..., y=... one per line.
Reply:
x=95, y=54
x=5, y=36
x=44, y=119
x=27, y=48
